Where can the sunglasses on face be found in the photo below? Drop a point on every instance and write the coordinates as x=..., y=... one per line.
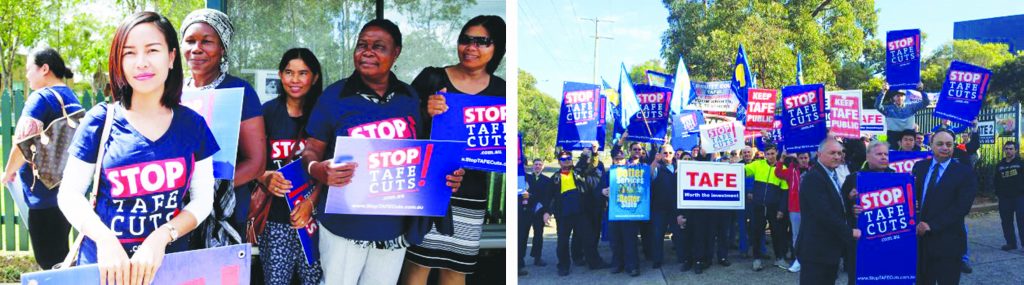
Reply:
x=479, y=41
x=564, y=159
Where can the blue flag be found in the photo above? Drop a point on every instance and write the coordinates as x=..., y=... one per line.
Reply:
x=651, y=123
x=681, y=87
x=903, y=59
x=616, y=109
x=799, y=69
x=887, y=248
x=742, y=78
x=963, y=93
x=628, y=103
x=659, y=79
x=579, y=121
x=686, y=129
x=302, y=186
x=522, y=168
x=803, y=117
x=629, y=193
x=395, y=177
x=480, y=122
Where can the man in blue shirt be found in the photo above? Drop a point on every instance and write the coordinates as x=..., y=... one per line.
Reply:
x=899, y=116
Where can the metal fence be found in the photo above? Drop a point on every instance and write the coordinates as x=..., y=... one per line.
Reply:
x=13, y=234
x=989, y=154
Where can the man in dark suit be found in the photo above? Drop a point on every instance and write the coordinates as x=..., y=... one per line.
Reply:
x=664, y=214
x=946, y=192
x=825, y=232
x=569, y=189
x=538, y=207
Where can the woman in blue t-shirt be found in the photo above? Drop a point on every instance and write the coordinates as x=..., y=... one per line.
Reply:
x=359, y=249
x=481, y=46
x=157, y=151
x=205, y=37
x=47, y=226
x=286, y=116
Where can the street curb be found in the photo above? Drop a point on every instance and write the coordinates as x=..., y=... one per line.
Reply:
x=978, y=208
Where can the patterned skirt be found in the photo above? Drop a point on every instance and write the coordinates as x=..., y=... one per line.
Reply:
x=459, y=251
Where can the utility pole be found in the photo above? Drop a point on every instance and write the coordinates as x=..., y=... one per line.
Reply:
x=596, y=38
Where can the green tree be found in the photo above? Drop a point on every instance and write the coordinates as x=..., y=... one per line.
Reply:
x=987, y=55
x=828, y=34
x=538, y=118
x=22, y=22
x=1006, y=81
x=638, y=73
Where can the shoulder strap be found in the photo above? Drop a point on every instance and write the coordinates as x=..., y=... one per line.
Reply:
x=72, y=256
x=61, y=100
x=107, y=123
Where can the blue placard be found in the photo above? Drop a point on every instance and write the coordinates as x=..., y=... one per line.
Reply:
x=578, y=120
x=803, y=118
x=302, y=186
x=629, y=193
x=903, y=59
x=887, y=249
x=395, y=177
x=903, y=161
x=963, y=92
x=686, y=129
x=219, y=265
x=651, y=123
x=522, y=187
x=480, y=122
x=222, y=109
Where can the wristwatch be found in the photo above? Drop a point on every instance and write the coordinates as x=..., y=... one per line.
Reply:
x=173, y=231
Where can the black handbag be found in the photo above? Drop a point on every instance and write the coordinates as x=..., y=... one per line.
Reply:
x=48, y=150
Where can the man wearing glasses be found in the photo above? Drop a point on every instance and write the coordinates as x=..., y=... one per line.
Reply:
x=663, y=210
x=572, y=187
x=593, y=204
x=623, y=233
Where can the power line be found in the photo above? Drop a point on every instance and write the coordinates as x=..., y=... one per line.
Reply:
x=530, y=25
x=596, y=38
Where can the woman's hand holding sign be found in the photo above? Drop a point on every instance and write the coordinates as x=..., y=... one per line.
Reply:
x=436, y=104
x=276, y=184
x=339, y=174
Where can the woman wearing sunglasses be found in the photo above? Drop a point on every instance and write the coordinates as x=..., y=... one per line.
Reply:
x=481, y=47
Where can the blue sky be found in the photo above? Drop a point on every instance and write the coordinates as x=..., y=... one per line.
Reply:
x=556, y=46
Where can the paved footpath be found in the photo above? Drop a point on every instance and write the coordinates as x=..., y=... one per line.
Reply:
x=985, y=237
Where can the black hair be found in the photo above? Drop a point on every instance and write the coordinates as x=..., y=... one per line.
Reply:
x=388, y=26
x=495, y=27
x=906, y=133
x=313, y=94
x=1010, y=143
x=121, y=90
x=49, y=56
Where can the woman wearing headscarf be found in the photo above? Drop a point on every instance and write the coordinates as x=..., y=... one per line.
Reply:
x=481, y=46
x=206, y=36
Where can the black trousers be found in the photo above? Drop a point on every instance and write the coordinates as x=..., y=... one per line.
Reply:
x=48, y=231
x=818, y=273
x=945, y=270
x=624, y=242
x=524, y=232
x=759, y=216
x=537, y=224
x=1011, y=211
x=660, y=222
x=711, y=234
x=567, y=226
x=593, y=216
